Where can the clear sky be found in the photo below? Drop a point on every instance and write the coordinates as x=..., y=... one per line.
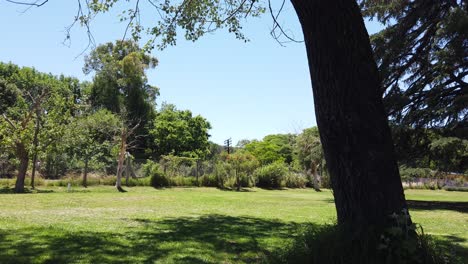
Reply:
x=246, y=90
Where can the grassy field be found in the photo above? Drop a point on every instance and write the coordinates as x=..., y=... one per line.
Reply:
x=186, y=225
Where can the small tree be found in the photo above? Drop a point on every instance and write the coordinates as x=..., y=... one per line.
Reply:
x=124, y=145
x=92, y=136
x=310, y=155
x=243, y=164
x=25, y=92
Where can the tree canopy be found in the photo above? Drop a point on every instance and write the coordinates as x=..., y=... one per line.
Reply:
x=422, y=55
x=180, y=133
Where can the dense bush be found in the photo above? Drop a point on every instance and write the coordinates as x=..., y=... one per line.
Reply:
x=271, y=176
x=182, y=181
x=408, y=173
x=245, y=182
x=456, y=189
x=295, y=180
x=157, y=178
x=209, y=180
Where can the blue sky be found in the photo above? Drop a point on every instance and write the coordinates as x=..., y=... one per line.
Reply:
x=246, y=90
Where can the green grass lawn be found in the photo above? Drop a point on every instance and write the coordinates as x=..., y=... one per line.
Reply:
x=186, y=225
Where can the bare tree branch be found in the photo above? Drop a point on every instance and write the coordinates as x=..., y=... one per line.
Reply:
x=35, y=3
x=9, y=121
x=132, y=17
x=277, y=26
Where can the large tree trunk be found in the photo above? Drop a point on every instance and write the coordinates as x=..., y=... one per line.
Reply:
x=23, y=157
x=353, y=125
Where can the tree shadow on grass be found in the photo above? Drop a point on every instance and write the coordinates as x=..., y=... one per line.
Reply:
x=461, y=207
x=452, y=246
x=8, y=190
x=206, y=239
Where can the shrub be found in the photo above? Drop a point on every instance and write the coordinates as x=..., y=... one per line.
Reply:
x=157, y=178
x=182, y=181
x=295, y=180
x=209, y=180
x=146, y=181
x=456, y=189
x=408, y=173
x=271, y=176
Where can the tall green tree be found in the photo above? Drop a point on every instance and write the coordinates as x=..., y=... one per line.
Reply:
x=34, y=94
x=310, y=155
x=180, y=133
x=91, y=138
x=243, y=164
x=121, y=86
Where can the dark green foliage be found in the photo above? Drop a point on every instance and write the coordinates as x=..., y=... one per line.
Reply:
x=158, y=178
x=456, y=189
x=422, y=57
x=440, y=150
x=450, y=154
x=271, y=176
x=121, y=86
x=408, y=173
x=8, y=95
x=209, y=180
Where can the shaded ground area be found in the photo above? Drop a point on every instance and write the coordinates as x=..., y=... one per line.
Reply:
x=188, y=225
x=438, y=205
x=206, y=239
x=452, y=246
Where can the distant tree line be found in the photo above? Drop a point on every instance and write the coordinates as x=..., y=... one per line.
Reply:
x=54, y=125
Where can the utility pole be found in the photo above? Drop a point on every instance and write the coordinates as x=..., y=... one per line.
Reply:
x=227, y=145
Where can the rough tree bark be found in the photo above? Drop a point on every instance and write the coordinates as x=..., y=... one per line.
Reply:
x=353, y=125
x=23, y=157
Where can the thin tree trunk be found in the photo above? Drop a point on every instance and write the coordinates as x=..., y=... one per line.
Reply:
x=238, y=180
x=22, y=155
x=35, y=144
x=197, y=172
x=315, y=176
x=85, y=172
x=127, y=170
x=353, y=125
x=123, y=149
